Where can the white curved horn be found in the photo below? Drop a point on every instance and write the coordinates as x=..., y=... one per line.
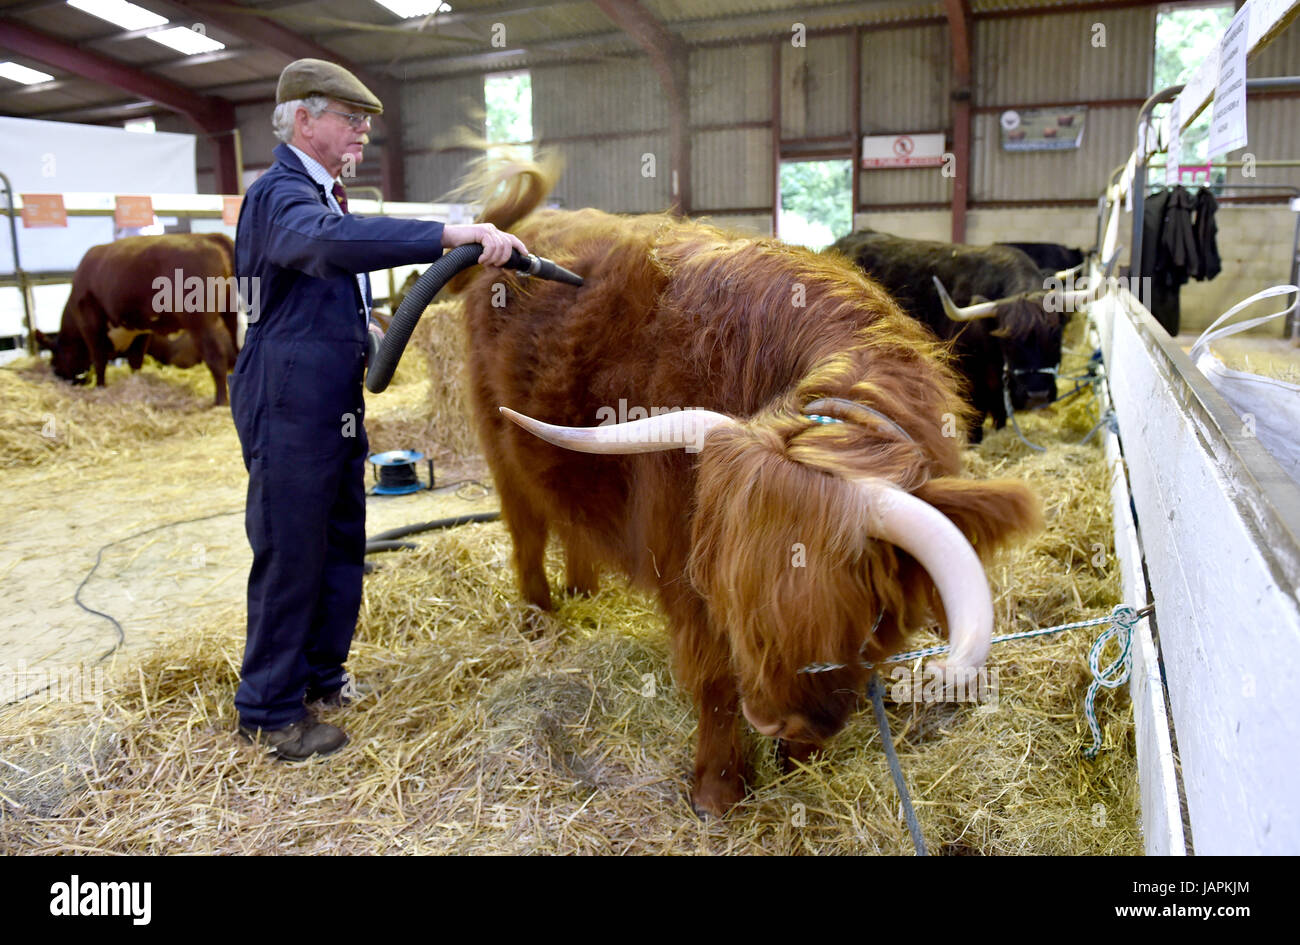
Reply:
x=967, y=313
x=1071, y=273
x=680, y=428
x=930, y=537
x=1070, y=301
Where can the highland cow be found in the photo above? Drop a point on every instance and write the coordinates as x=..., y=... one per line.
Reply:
x=812, y=512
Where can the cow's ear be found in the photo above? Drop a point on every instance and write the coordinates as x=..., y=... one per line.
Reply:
x=43, y=341
x=990, y=513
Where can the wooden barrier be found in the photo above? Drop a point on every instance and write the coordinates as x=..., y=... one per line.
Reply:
x=1218, y=522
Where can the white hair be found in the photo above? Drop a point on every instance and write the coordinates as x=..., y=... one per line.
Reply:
x=282, y=121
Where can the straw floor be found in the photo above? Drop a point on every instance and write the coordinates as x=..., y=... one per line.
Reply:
x=496, y=729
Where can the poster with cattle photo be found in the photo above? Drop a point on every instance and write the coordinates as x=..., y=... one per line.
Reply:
x=1043, y=129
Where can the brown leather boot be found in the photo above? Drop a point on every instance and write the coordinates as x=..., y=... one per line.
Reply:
x=299, y=741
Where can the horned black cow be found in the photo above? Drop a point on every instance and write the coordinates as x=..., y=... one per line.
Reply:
x=1002, y=326
x=1052, y=257
x=128, y=292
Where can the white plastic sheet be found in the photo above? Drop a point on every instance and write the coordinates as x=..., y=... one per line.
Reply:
x=1268, y=406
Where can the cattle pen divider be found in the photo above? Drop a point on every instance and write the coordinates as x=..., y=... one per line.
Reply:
x=181, y=206
x=1209, y=522
x=1207, y=526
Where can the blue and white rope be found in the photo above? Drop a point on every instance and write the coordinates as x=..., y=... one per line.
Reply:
x=1113, y=676
x=1122, y=620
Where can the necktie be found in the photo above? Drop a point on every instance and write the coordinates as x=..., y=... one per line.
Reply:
x=341, y=196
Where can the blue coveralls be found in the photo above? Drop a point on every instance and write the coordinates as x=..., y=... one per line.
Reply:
x=296, y=400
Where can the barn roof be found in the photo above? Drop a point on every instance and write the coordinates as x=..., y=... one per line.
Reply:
x=101, y=72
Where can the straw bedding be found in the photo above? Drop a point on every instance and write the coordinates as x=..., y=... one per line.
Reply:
x=498, y=729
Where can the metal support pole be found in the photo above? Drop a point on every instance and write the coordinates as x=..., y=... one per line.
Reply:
x=19, y=275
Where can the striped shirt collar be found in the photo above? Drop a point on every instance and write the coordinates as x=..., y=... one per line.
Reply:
x=317, y=171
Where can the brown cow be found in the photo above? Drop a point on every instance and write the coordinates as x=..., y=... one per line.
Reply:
x=787, y=539
x=142, y=286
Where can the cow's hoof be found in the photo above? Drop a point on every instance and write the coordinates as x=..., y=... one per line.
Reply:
x=714, y=796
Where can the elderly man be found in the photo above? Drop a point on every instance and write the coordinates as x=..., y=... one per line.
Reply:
x=297, y=401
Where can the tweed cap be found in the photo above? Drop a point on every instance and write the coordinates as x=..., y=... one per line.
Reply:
x=306, y=77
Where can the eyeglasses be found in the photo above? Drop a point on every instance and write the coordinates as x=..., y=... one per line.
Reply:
x=357, y=120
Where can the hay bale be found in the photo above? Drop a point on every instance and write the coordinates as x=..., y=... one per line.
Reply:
x=426, y=407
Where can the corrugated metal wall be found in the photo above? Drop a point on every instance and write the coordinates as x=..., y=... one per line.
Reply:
x=1280, y=57
x=906, y=87
x=1272, y=128
x=255, y=134
x=1050, y=175
x=731, y=169
x=432, y=175
x=816, y=87
x=627, y=172
x=432, y=110
x=432, y=113
x=587, y=98
x=906, y=82
x=1052, y=58
x=731, y=84
x=615, y=174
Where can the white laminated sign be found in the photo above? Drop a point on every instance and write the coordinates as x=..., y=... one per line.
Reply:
x=1228, y=117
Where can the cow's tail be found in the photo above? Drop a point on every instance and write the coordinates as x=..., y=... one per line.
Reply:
x=513, y=189
x=509, y=189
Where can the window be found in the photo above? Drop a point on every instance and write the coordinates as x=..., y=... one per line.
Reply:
x=815, y=202
x=508, y=99
x=1184, y=38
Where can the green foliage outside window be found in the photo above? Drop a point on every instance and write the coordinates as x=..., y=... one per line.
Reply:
x=1185, y=38
x=815, y=199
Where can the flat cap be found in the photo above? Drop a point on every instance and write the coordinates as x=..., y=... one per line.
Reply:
x=306, y=77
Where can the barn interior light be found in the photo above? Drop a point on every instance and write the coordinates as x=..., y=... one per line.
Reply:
x=120, y=13
x=410, y=8
x=11, y=70
x=186, y=41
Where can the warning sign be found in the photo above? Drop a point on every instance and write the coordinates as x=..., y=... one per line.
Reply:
x=919, y=150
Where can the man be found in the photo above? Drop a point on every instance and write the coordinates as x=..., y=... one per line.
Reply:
x=297, y=401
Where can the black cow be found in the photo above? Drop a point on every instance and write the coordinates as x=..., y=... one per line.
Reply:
x=1053, y=257
x=1010, y=334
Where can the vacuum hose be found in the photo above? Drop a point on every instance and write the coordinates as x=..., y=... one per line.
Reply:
x=383, y=361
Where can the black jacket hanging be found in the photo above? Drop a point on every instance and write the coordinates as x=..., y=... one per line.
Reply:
x=1205, y=230
x=1169, y=252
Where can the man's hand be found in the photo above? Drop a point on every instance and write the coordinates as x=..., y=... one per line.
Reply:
x=497, y=244
x=374, y=337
